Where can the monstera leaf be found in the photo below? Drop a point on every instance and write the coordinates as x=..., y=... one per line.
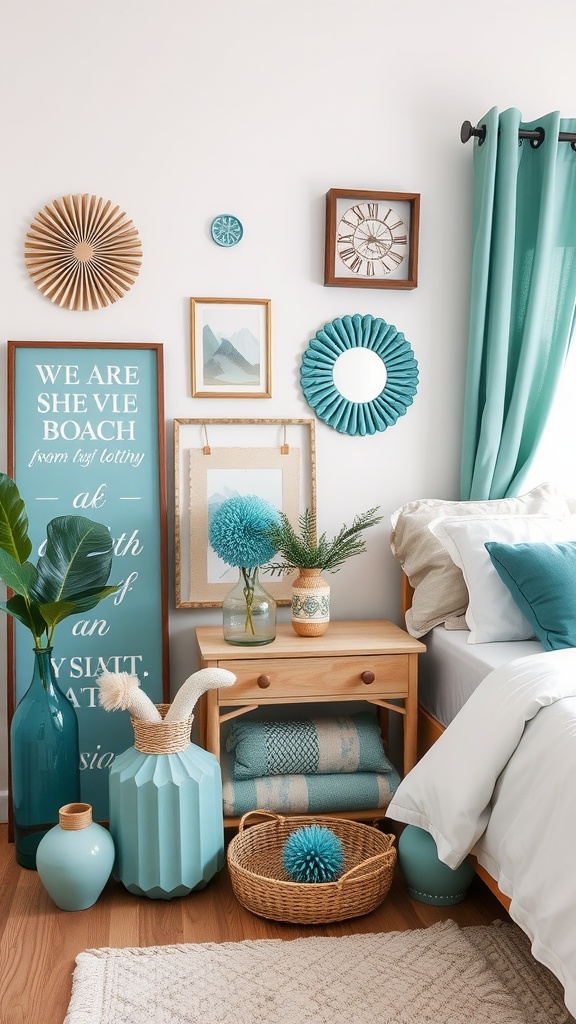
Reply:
x=28, y=614
x=14, y=539
x=56, y=611
x=71, y=576
x=17, y=577
x=78, y=558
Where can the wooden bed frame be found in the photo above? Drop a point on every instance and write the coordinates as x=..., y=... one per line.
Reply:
x=429, y=730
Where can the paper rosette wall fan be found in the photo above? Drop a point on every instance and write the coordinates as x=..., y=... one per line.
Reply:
x=82, y=252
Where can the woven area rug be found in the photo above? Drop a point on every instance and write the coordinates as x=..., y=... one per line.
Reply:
x=443, y=975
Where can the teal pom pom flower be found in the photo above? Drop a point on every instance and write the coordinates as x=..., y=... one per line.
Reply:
x=313, y=854
x=237, y=531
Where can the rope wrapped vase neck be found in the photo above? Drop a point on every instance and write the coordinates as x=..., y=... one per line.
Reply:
x=159, y=728
x=161, y=737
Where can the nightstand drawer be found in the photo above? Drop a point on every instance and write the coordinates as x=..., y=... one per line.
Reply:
x=311, y=678
x=372, y=661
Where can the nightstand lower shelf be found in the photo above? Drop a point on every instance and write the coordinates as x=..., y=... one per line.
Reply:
x=373, y=661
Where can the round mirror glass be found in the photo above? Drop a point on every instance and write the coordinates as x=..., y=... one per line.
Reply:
x=359, y=375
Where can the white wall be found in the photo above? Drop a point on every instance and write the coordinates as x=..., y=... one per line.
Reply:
x=183, y=109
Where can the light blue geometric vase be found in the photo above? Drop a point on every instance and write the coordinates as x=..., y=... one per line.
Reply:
x=166, y=815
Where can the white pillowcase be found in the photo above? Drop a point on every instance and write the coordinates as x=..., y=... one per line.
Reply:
x=439, y=590
x=492, y=613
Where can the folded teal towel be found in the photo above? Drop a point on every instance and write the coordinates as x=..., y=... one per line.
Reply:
x=306, y=794
x=309, y=747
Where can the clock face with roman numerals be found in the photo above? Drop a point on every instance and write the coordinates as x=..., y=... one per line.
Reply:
x=371, y=239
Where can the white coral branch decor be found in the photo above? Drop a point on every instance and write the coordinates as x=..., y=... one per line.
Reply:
x=120, y=691
x=193, y=688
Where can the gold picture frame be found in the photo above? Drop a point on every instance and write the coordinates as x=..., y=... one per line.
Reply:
x=371, y=239
x=217, y=458
x=231, y=348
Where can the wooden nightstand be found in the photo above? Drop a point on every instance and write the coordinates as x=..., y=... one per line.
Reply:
x=374, y=661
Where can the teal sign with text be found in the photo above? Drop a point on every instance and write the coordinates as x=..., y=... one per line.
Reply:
x=86, y=437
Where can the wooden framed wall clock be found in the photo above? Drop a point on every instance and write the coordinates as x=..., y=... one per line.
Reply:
x=371, y=239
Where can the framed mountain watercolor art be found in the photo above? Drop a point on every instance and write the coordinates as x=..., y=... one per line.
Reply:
x=230, y=348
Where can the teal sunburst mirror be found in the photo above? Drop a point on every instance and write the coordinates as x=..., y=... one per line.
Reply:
x=359, y=374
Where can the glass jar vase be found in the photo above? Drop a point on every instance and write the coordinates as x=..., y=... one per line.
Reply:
x=249, y=612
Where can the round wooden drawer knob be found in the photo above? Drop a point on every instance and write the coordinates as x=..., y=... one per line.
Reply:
x=367, y=677
x=263, y=682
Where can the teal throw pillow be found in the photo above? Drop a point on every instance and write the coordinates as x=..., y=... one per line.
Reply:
x=542, y=580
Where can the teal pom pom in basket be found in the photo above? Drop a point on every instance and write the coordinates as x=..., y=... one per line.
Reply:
x=313, y=853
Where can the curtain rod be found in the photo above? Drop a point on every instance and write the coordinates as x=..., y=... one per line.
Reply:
x=536, y=136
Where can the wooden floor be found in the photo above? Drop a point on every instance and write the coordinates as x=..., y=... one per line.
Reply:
x=39, y=943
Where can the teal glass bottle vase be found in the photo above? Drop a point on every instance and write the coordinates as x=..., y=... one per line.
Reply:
x=45, y=759
x=248, y=612
x=75, y=858
x=166, y=816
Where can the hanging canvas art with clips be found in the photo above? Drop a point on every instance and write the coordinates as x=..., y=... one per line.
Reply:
x=216, y=459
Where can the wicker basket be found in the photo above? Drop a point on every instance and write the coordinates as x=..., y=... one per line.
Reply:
x=261, y=884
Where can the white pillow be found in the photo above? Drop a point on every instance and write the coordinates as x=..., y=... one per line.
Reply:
x=492, y=613
x=439, y=589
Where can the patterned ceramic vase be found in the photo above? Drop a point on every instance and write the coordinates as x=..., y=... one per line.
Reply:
x=310, y=603
x=75, y=858
x=166, y=814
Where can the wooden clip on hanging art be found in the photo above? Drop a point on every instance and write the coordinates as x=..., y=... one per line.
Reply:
x=206, y=449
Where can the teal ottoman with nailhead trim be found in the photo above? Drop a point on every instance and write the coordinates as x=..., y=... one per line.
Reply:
x=427, y=878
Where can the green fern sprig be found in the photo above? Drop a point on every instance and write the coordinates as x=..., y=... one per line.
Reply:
x=301, y=550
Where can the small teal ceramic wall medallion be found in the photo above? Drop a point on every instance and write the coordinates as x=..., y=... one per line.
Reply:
x=226, y=230
x=359, y=374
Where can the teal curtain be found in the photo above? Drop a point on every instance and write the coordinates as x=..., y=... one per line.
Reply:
x=523, y=297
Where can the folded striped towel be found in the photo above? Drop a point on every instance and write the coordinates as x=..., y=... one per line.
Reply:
x=306, y=794
x=308, y=747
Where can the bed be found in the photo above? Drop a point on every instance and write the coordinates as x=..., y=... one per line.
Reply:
x=489, y=586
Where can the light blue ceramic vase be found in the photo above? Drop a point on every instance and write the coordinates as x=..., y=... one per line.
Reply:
x=166, y=813
x=74, y=859
x=427, y=878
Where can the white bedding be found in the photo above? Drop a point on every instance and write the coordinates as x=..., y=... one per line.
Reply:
x=501, y=783
x=453, y=668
